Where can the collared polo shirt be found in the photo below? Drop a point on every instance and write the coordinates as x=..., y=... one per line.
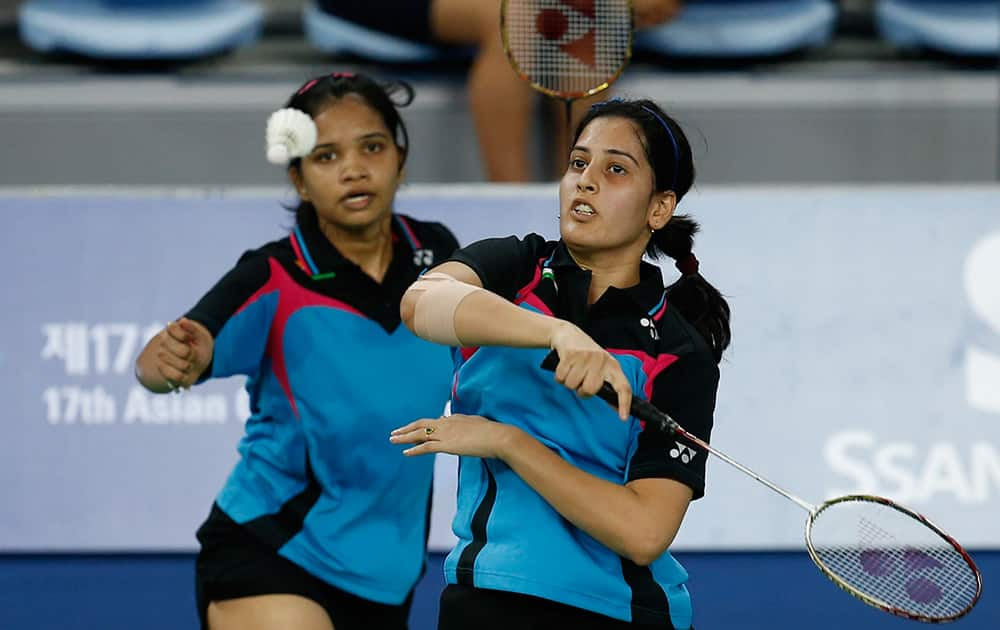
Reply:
x=331, y=372
x=510, y=538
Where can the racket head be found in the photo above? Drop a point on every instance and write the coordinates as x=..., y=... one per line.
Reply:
x=567, y=48
x=892, y=558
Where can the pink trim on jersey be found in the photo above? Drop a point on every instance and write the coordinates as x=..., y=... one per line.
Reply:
x=536, y=301
x=466, y=353
x=659, y=313
x=527, y=295
x=528, y=288
x=410, y=235
x=301, y=260
x=651, y=366
x=292, y=297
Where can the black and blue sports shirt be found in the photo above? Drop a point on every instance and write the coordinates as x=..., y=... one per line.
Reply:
x=332, y=371
x=510, y=538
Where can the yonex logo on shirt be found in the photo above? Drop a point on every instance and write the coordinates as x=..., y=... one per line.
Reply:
x=682, y=452
x=423, y=257
x=650, y=325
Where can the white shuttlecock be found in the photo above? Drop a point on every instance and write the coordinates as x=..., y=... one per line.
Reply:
x=291, y=133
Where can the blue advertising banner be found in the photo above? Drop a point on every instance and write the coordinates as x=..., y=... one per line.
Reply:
x=866, y=355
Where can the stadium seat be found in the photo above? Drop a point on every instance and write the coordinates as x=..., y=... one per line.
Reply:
x=139, y=29
x=336, y=36
x=957, y=27
x=742, y=28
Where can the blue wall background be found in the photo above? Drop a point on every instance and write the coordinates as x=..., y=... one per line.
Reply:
x=868, y=339
x=930, y=285
x=745, y=591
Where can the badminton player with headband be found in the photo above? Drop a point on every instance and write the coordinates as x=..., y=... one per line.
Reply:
x=321, y=524
x=565, y=513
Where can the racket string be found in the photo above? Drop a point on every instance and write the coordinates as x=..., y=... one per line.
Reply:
x=890, y=556
x=936, y=594
x=569, y=47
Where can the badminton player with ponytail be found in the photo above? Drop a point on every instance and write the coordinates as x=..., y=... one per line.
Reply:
x=321, y=524
x=565, y=511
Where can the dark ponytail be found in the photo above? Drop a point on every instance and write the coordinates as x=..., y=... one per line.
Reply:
x=669, y=154
x=697, y=300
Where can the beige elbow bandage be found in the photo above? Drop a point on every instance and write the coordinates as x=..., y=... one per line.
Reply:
x=434, y=312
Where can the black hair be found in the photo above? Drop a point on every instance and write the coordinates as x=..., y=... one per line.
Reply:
x=669, y=154
x=383, y=97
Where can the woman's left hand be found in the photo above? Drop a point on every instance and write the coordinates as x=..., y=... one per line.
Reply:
x=458, y=434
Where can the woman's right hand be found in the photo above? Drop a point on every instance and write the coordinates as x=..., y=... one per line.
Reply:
x=585, y=366
x=177, y=356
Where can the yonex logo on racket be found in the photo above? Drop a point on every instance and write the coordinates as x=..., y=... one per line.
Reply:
x=682, y=452
x=571, y=27
x=567, y=48
x=912, y=565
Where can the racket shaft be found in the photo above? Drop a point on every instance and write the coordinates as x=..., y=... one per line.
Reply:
x=648, y=413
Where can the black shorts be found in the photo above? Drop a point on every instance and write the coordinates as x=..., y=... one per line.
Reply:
x=234, y=563
x=464, y=607
x=409, y=19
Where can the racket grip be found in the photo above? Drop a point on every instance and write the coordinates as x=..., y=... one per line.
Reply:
x=640, y=408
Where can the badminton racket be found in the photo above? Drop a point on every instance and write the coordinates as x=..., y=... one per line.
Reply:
x=567, y=49
x=882, y=553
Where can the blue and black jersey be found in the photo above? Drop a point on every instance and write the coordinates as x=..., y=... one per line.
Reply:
x=331, y=372
x=510, y=538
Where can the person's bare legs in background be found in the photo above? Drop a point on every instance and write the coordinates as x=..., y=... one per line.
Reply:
x=502, y=104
